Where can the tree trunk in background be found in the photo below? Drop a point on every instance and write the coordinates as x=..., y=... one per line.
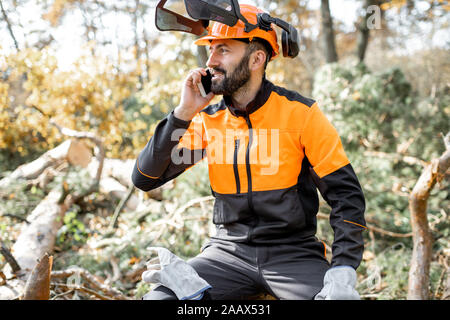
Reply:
x=147, y=54
x=422, y=238
x=202, y=56
x=137, y=48
x=328, y=32
x=8, y=24
x=364, y=31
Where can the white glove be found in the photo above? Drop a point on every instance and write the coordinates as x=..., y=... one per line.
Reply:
x=339, y=284
x=176, y=274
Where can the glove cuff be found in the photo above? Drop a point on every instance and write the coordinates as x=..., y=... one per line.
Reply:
x=342, y=274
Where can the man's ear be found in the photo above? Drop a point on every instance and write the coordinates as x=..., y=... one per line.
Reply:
x=257, y=60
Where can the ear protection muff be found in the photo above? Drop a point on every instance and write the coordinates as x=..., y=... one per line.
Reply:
x=289, y=36
x=290, y=42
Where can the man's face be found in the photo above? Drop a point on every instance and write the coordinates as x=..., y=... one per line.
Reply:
x=228, y=62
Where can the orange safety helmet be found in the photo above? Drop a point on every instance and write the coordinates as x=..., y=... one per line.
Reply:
x=219, y=31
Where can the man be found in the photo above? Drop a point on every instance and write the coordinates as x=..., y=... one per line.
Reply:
x=268, y=150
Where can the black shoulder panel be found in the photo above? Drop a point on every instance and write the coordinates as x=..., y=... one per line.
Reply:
x=212, y=109
x=293, y=96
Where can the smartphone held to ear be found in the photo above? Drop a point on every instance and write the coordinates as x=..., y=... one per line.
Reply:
x=205, y=85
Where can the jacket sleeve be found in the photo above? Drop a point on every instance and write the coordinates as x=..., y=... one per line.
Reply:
x=175, y=147
x=339, y=186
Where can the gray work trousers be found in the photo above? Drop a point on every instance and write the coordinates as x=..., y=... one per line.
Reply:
x=237, y=271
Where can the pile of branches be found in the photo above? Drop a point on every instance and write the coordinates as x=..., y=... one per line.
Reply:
x=28, y=271
x=28, y=257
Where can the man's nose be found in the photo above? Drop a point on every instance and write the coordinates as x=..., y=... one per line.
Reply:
x=212, y=61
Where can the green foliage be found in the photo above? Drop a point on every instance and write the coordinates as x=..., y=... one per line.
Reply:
x=73, y=231
x=387, y=274
x=365, y=107
x=141, y=289
x=20, y=198
x=379, y=111
x=74, y=179
x=381, y=121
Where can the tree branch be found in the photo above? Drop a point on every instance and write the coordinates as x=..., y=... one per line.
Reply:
x=91, y=280
x=5, y=16
x=72, y=288
x=397, y=157
x=9, y=258
x=422, y=238
x=119, y=208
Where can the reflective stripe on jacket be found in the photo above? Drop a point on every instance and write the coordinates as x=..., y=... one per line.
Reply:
x=265, y=166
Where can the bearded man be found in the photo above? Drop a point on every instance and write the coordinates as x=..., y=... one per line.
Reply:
x=269, y=149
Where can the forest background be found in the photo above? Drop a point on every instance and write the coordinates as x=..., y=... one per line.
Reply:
x=92, y=78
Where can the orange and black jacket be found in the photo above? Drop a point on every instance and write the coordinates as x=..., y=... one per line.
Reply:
x=265, y=166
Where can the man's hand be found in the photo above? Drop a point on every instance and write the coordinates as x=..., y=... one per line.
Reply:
x=339, y=284
x=192, y=101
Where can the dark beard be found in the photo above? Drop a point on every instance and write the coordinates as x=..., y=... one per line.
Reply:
x=238, y=78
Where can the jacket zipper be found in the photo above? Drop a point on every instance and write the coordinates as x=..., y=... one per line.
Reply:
x=249, y=176
x=247, y=161
x=235, y=166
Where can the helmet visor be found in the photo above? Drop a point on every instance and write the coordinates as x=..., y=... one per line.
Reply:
x=167, y=20
x=222, y=11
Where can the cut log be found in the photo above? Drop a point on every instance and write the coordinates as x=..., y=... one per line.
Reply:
x=79, y=154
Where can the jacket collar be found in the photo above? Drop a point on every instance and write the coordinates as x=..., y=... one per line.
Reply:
x=260, y=99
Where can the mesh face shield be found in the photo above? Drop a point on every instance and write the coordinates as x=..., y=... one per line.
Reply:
x=217, y=10
x=168, y=20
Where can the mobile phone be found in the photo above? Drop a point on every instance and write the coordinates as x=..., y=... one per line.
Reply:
x=205, y=85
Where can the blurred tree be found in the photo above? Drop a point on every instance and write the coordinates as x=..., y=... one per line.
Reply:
x=328, y=32
x=297, y=73
x=8, y=24
x=364, y=28
x=90, y=98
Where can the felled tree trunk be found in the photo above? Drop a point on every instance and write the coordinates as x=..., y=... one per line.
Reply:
x=422, y=238
x=73, y=151
x=38, y=237
x=116, y=179
x=35, y=240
